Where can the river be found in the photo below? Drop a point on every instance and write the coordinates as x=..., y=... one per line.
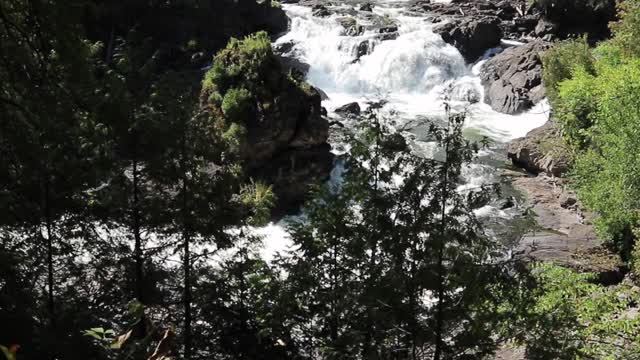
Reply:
x=412, y=72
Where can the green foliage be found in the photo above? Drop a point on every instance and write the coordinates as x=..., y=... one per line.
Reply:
x=561, y=60
x=237, y=105
x=243, y=64
x=366, y=277
x=595, y=96
x=570, y=317
x=259, y=198
x=602, y=115
x=627, y=29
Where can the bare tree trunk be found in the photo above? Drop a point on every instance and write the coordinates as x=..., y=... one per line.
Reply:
x=440, y=291
x=187, y=251
x=50, y=275
x=137, y=252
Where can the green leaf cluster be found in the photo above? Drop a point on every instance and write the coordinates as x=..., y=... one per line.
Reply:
x=568, y=316
x=595, y=94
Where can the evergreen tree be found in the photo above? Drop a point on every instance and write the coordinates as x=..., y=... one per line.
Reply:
x=392, y=263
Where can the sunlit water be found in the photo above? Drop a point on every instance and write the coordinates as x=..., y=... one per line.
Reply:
x=411, y=73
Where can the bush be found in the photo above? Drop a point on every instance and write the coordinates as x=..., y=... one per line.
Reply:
x=627, y=29
x=237, y=104
x=570, y=317
x=576, y=107
x=607, y=173
x=561, y=60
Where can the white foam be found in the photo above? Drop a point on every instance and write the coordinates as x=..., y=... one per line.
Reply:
x=411, y=73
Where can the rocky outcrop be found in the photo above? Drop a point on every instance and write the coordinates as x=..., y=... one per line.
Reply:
x=542, y=150
x=275, y=119
x=349, y=109
x=471, y=36
x=513, y=78
x=288, y=147
x=565, y=235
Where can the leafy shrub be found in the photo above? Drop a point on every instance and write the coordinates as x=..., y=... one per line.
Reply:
x=607, y=173
x=627, y=29
x=576, y=108
x=237, y=104
x=560, y=61
x=570, y=317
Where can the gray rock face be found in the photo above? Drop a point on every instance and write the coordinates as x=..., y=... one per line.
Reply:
x=513, y=78
x=349, y=109
x=565, y=235
x=541, y=151
x=471, y=36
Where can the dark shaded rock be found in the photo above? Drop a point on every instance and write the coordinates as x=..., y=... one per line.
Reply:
x=291, y=172
x=320, y=11
x=546, y=27
x=507, y=203
x=368, y=7
x=541, y=151
x=349, y=109
x=513, y=78
x=351, y=27
x=323, y=95
x=388, y=36
x=471, y=36
x=567, y=200
x=284, y=48
x=364, y=48
x=291, y=63
x=388, y=29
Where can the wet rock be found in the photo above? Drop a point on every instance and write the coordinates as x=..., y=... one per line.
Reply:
x=349, y=109
x=284, y=48
x=351, y=27
x=507, y=203
x=363, y=49
x=471, y=36
x=320, y=11
x=293, y=64
x=388, y=29
x=542, y=150
x=368, y=7
x=323, y=95
x=513, y=78
x=388, y=36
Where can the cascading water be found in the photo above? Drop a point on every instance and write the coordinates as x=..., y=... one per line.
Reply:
x=411, y=72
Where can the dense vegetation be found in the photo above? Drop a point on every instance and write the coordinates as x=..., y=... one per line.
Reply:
x=596, y=101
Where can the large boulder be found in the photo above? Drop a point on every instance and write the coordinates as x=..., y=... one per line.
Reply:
x=471, y=36
x=277, y=119
x=513, y=78
x=564, y=234
x=541, y=151
x=349, y=109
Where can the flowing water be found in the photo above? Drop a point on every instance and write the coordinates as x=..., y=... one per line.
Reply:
x=411, y=72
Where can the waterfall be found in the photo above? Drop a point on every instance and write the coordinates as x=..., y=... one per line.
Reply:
x=411, y=70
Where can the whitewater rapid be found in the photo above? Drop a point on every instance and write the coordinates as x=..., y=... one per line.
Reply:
x=411, y=72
